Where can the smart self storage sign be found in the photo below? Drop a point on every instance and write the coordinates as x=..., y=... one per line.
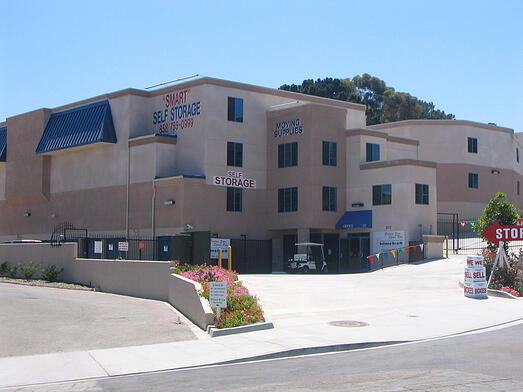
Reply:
x=179, y=111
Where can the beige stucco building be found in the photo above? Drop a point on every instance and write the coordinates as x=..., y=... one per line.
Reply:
x=247, y=161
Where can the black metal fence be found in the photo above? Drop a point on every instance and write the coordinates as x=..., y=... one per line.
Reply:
x=251, y=256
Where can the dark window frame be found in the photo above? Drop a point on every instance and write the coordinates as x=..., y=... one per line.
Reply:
x=288, y=199
x=329, y=198
x=473, y=180
x=287, y=154
x=382, y=194
x=473, y=145
x=234, y=199
x=235, y=154
x=422, y=194
x=372, y=152
x=329, y=153
x=235, y=109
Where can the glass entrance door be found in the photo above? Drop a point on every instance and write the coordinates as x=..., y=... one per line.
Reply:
x=358, y=250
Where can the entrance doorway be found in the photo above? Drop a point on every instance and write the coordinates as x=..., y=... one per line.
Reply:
x=354, y=251
x=289, y=248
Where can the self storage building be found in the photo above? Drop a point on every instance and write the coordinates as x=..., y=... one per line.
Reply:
x=244, y=161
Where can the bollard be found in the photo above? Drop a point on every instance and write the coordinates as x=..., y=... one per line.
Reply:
x=220, y=257
x=230, y=258
x=447, y=242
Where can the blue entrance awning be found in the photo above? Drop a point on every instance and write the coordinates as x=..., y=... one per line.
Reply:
x=355, y=220
x=88, y=124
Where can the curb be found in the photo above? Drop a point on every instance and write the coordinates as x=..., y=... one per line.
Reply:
x=47, y=286
x=215, y=332
x=315, y=350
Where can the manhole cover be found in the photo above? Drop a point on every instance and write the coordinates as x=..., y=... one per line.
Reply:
x=348, y=323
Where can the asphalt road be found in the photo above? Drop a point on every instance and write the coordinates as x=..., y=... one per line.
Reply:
x=37, y=320
x=490, y=361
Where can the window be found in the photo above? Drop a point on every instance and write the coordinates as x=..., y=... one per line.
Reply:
x=288, y=154
x=422, y=194
x=373, y=152
x=329, y=153
x=287, y=199
x=234, y=199
x=473, y=180
x=234, y=154
x=330, y=202
x=473, y=145
x=235, y=109
x=381, y=194
x=517, y=155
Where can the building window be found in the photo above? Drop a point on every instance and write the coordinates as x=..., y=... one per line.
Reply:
x=473, y=180
x=287, y=199
x=422, y=194
x=330, y=201
x=373, y=152
x=381, y=194
x=234, y=154
x=288, y=154
x=234, y=199
x=329, y=153
x=517, y=155
x=235, y=109
x=473, y=145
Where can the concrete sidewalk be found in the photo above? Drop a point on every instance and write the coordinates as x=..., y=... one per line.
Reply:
x=408, y=302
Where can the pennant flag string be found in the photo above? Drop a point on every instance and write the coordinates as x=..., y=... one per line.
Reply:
x=393, y=253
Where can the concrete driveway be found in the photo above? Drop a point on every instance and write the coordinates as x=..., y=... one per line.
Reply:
x=37, y=320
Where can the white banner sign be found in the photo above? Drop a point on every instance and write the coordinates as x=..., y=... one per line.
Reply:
x=388, y=240
x=98, y=247
x=217, y=243
x=234, y=179
x=123, y=246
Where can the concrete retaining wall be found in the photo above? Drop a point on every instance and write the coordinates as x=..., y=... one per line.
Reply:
x=144, y=279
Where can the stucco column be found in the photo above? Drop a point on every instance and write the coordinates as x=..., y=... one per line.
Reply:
x=303, y=236
x=433, y=246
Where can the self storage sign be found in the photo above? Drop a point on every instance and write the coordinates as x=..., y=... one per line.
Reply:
x=234, y=179
x=178, y=112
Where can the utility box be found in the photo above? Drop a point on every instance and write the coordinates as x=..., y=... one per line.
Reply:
x=181, y=248
x=192, y=248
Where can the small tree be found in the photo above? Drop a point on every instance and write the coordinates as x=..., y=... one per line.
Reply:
x=496, y=209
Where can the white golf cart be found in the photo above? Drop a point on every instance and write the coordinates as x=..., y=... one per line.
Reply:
x=306, y=262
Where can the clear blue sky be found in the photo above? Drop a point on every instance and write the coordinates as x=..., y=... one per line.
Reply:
x=465, y=56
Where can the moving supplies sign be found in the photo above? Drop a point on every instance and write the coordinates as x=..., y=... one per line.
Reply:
x=388, y=240
x=234, y=179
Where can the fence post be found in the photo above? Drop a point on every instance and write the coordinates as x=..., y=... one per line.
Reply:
x=230, y=257
x=220, y=257
x=447, y=243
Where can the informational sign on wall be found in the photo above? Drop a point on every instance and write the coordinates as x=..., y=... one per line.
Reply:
x=388, y=240
x=234, y=179
x=98, y=247
x=123, y=246
x=220, y=243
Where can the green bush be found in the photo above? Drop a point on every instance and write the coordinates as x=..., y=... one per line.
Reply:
x=51, y=273
x=4, y=268
x=12, y=271
x=29, y=271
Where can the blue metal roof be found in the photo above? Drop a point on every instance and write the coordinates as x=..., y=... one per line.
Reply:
x=355, y=220
x=3, y=144
x=92, y=123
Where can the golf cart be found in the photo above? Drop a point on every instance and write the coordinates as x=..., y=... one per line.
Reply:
x=306, y=262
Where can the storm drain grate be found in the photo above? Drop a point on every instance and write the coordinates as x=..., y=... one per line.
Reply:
x=348, y=323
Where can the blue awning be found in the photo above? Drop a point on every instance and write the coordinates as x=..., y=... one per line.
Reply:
x=3, y=144
x=355, y=220
x=88, y=124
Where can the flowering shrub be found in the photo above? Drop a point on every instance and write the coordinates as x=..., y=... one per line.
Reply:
x=242, y=307
x=504, y=279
